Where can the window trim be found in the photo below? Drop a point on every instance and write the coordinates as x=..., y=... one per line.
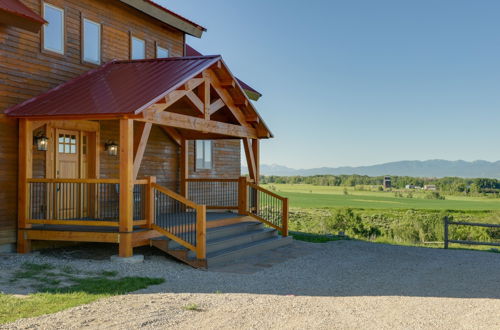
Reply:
x=132, y=37
x=164, y=48
x=203, y=168
x=63, y=29
x=82, y=46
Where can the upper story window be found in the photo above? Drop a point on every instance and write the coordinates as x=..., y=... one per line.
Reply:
x=203, y=153
x=91, y=41
x=138, y=49
x=161, y=52
x=53, y=31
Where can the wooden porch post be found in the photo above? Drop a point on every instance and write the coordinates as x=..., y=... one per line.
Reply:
x=126, y=186
x=242, y=195
x=256, y=157
x=25, y=172
x=184, y=171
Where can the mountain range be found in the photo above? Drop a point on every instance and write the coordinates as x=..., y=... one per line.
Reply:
x=430, y=168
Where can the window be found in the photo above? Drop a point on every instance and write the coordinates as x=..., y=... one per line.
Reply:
x=91, y=42
x=203, y=152
x=161, y=52
x=67, y=144
x=53, y=31
x=138, y=51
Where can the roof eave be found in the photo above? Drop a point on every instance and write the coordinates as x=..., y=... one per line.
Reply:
x=166, y=16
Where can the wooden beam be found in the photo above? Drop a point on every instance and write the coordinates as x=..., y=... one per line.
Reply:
x=170, y=99
x=229, y=83
x=256, y=157
x=199, y=124
x=247, y=143
x=206, y=96
x=253, y=118
x=126, y=185
x=173, y=134
x=193, y=83
x=184, y=170
x=227, y=99
x=24, y=173
x=195, y=100
x=140, y=143
x=216, y=106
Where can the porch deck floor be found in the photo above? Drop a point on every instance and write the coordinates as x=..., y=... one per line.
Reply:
x=210, y=216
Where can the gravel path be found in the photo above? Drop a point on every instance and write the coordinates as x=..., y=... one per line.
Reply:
x=345, y=284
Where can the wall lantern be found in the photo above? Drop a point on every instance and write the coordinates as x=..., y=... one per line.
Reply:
x=112, y=148
x=41, y=142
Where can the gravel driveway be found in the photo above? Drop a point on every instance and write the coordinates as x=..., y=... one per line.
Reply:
x=344, y=284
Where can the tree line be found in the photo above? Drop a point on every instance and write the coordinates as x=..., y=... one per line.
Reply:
x=452, y=185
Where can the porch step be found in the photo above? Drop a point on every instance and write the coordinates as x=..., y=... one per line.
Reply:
x=228, y=243
x=245, y=250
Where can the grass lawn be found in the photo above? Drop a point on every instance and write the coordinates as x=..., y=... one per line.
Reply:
x=52, y=298
x=309, y=196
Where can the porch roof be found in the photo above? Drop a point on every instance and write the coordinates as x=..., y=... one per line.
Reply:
x=114, y=88
x=14, y=12
x=137, y=88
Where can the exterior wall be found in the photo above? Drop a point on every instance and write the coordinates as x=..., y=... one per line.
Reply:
x=227, y=160
x=161, y=158
x=27, y=71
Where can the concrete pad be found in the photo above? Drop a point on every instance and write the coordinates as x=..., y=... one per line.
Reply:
x=7, y=248
x=135, y=259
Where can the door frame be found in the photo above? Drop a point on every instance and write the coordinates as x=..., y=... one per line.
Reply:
x=84, y=127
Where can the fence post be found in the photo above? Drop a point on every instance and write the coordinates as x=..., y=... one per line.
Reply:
x=446, y=232
x=150, y=202
x=242, y=196
x=201, y=232
x=285, y=217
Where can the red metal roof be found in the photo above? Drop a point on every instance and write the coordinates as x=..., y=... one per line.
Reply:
x=117, y=87
x=190, y=51
x=17, y=8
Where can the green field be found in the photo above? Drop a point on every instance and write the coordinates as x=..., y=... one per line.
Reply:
x=309, y=196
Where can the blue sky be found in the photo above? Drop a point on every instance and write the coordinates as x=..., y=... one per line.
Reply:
x=360, y=82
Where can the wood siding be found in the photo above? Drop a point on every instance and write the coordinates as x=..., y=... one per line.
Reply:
x=226, y=158
x=26, y=71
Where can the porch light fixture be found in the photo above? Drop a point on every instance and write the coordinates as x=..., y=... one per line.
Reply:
x=41, y=142
x=112, y=148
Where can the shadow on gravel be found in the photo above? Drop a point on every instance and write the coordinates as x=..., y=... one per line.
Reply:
x=341, y=269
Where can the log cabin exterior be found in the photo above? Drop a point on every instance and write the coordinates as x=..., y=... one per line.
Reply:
x=117, y=133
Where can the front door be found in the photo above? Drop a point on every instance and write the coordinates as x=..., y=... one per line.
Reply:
x=68, y=166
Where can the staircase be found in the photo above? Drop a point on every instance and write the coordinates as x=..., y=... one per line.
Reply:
x=242, y=238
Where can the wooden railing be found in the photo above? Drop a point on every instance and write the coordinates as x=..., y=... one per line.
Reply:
x=214, y=193
x=180, y=219
x=82, y=202
x=447, y=239
x=264, y=205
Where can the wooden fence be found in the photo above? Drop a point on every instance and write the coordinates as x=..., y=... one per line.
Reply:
x=448, y=223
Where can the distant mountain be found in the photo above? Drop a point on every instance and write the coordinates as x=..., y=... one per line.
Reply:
x=429, y=168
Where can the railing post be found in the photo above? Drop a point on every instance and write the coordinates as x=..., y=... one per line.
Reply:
x=150, y=202
x=242, y=195
x=201, y=232
x=285, y=217
x=446, y=224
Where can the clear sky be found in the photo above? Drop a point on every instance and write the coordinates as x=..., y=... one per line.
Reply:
x=360, y=82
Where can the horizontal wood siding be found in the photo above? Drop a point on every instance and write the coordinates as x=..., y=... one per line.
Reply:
x=227, y=160
x=27, y=71
x=8, y=180
x=161, y=157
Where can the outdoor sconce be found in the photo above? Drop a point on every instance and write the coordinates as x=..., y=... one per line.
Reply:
x=41, y=142
x=112, y=148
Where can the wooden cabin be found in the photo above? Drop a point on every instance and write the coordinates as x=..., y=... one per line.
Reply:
x=113, y=130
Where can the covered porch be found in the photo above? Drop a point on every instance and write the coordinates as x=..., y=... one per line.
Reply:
x=189, y=99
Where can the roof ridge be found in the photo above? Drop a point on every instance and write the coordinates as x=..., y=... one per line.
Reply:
x=166, y=59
